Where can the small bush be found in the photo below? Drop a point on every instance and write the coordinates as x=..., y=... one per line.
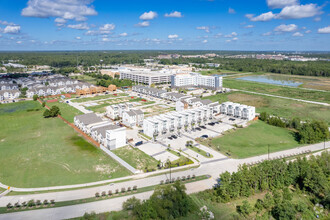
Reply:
x=193, y=176
x=110, y=193
x=97, y=194
x=9, y=206
x=135, y=187
x=46, y=202
x=129, y=189
x=38, y=202
x=123, y=189
x=161, y=182
x=17, y=205
x=31, y=203
x=52, y=201
x=117, y=191
x=104, y=193
x=24, y=204
x=183, y=178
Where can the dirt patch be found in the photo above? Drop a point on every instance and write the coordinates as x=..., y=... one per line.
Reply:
x=297, y=105
x=103, y=169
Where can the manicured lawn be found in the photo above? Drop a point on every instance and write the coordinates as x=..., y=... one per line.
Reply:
x=38, y=152
x=136, y=158
x=253, y=140
x=277, y=106
x=95, y=98
x=67, y=111
x=200, y=151
x=277, y=90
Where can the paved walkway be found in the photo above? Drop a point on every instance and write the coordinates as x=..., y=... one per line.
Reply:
x=282, y=97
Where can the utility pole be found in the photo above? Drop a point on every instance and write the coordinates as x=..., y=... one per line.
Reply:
x=268, y=151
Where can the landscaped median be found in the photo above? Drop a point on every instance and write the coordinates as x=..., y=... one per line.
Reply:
x=104, y=195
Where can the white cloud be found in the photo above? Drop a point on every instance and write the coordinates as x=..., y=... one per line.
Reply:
x=308, y=31
x=267, y=33
x=204, y=41
x=297, y=34
x=123, y=34
x=281, y=3
x=105, y=39
x=81, y=26
x=12, y=29
x=78, y=38
x=263, y=17
x=317, y=19
x=205, y=28
x=143, y=24
x=249, y=26
x=231, y=11
x=233, y=34
x=234, y=39
x=286, y=28
x=325, y=30
x=7, y=23
x=67, y=9
x=107, y=28
x=249, y=16
x=299, y=11
x=148, y=15
x=175, y=14
x=60, y=20
x=228, y=41
x=19, y=42
x=218, y=35
x=172, y=36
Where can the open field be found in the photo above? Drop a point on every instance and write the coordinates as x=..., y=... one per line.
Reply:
x=291, y=92
x=277, y=106
x=217, y=71
x=136, y=158
x=253, y=140
x=67, y=111
x=85, y=78
x=99, y=97
x=38, y=152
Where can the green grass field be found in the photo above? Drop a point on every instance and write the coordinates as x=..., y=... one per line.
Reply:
x=291, y=92
x=38, y=152
x=136, y=158
x=67, y=111
x=85, y=78
x=253, y=140
x=277, y=106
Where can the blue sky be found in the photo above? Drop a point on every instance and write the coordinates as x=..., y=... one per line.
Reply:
x=181, y=24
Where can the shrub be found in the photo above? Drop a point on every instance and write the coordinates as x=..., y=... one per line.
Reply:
x=38, y=202
x=129, y=189
x=31, y=203
x=161, y=182
x=9, y=206
x=52, y=201
x=193, y=176
x=24, y=204
x=110, y=193
x=46, y=202
x=104, y=193
x=188, y=177
x=117, y=191
x=97, y=194
x=183, y=178
x=17, y=205
x=123, y=189
x=135, y=187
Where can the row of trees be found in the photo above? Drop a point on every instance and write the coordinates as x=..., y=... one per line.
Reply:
x=54, y=111
x=106, y=80
x=306, y=132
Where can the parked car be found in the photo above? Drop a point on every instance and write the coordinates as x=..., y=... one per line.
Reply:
x=138, y=143
x=203, y=127
x=204, y=136
x=173, y=136
x=170, y=138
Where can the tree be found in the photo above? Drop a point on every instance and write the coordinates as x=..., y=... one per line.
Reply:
x=152, y=85
x=268, y=201
x=284, y=210
x=286, y=194
x=46, y=113
x=131, y=203
x=259, y=205
x=245, y=209
x=35, y=97
x=43, y=104
x=53, y=112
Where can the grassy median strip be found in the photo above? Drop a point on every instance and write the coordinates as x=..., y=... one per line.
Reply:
x=100, y=197
x=200, y=151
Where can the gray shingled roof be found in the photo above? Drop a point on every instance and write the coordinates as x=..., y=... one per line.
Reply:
x=103, y=130
x=89, y=118
x=206, y=102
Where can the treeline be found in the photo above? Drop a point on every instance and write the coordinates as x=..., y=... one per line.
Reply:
x=311, y=68
x=310, y=176
x=106, y=80
x=308, y=132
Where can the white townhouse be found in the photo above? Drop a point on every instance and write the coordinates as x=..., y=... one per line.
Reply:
x=174, y=122
x=112, y=111
x=238, y=110
x=8, y=86
x=111, y=136
x=9, y=94
x=133, y=117
x=88, y=121
x=5, y=81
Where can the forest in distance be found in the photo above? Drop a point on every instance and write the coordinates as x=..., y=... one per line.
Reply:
x=66, y=59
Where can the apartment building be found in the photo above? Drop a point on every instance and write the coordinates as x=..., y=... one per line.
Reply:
x=146, y=76
x=238, y=110
x=196, y=80
x=9, y=94
x=133, y=117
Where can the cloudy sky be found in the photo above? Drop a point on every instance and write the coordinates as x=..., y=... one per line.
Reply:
x=164, y=24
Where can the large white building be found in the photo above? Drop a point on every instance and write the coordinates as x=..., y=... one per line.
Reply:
x=146, y=76
x=196, y=80
x=102, y=131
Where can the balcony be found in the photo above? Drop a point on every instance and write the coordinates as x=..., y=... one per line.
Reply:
x=172, y=128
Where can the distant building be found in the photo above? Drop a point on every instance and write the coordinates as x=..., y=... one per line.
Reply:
x=9, y=94
x=133, y=117
x=196, y=80
x=238, y=110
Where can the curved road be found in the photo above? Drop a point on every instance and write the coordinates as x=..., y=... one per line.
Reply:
x=213, y=168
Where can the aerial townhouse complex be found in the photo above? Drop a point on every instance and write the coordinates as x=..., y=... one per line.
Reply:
x=196, y=80
x=103, y=131
x=130, y=117
x=8, y=90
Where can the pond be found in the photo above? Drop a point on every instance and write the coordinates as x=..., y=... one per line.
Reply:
x=271, y=79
